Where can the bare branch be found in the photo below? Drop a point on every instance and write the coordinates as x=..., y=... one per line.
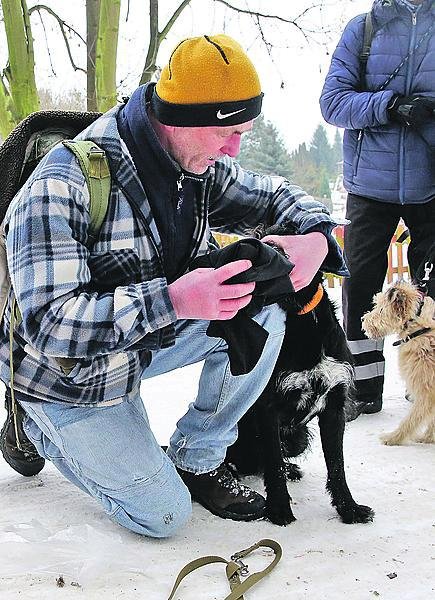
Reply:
x=258, y=16
x=306, y=10
x=46, y=43
x=157, y=37
x=254, y=13
x=172, y=19
x=64, y=27
x=61, y=22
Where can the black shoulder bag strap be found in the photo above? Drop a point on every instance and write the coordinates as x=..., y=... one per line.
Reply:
x=365, y=52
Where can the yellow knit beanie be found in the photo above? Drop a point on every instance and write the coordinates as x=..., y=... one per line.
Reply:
x=209, y=80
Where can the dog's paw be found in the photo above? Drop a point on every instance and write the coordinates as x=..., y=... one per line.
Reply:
x=425, y=439
x=392, y=439
x=292, y=472
x=357, y=513
x=280, y=515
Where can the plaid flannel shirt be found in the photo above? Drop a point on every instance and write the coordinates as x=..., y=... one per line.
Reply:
x=107, y=306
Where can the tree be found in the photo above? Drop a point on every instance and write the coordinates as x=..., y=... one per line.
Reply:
x=263, y=150
x=337, y=150
x=306, y=173
x=68, y=100
x=18, y=92
x=309, y=167
x=92, y=22
x=321, y=151
x=324, y=189
x=105, y=56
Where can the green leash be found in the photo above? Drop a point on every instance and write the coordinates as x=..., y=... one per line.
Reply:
x=235, y=567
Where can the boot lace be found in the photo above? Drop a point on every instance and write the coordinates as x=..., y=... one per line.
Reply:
x=227, y=480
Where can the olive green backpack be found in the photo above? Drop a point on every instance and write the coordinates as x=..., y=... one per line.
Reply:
x=20, y=153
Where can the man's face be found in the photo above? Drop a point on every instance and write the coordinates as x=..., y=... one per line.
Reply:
x=197, y=148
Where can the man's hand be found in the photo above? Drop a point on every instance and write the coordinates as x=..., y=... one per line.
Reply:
x=411, y=110
x=307, y=252
x=202, y=293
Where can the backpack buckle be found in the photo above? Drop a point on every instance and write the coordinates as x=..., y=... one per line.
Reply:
x=98, y=166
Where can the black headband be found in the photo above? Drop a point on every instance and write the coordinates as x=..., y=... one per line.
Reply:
x=220, y=114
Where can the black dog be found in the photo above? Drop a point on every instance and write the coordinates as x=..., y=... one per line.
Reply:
x=313, y=376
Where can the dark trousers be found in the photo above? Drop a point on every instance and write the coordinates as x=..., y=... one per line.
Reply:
x=366, y=242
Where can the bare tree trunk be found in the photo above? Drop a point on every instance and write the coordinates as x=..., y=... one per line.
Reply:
x=157, y=37
x=92, y=22
x=22, y=96
x=105, y=60
x=7, y=120
x=154, y=43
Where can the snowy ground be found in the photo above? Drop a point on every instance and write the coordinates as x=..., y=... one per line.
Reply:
x=49, y=528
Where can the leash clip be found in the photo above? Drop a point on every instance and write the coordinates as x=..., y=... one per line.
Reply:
x=428, y=267
x=237, y=558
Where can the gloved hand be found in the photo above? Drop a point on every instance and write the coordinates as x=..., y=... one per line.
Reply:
x=203, y=293
x=411, y=110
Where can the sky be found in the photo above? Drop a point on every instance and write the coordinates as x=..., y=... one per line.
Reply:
x=299, y=64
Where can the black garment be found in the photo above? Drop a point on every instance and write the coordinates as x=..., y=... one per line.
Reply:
x=366, y=242
x=270, y=270
x=171, y=193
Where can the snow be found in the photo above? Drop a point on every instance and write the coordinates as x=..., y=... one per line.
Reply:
x=48, y=528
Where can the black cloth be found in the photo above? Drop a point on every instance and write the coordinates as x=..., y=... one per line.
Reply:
x=270, y=270
x=172, y=195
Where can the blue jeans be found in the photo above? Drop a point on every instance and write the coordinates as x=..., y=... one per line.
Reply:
x=110, y=452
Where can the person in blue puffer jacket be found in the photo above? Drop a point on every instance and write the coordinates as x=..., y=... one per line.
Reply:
x=387, y=110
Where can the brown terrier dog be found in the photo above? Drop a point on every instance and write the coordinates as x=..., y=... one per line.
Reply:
x=402, y=309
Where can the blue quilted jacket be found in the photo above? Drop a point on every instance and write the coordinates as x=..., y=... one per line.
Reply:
x=383, y=160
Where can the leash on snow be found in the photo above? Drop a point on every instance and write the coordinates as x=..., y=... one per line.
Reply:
x=234, y=569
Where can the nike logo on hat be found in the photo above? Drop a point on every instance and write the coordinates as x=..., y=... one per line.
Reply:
x=221, y=115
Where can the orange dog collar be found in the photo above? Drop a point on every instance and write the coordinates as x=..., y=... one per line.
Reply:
x=313, y=302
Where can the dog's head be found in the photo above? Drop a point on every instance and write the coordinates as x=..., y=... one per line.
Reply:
x=392, y=309
x=295, y=302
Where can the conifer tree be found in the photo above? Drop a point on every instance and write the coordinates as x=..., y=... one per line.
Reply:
x=337, y=148
x=321, y=150
x=264, y=151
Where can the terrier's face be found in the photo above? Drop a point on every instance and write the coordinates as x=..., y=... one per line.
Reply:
x=392, y=309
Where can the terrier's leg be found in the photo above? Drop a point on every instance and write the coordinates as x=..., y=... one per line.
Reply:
x=418, y=414
x=428, y=437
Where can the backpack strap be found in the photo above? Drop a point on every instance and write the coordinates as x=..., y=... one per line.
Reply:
x=95, y=167
x=367, y=43
x=368, y=37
